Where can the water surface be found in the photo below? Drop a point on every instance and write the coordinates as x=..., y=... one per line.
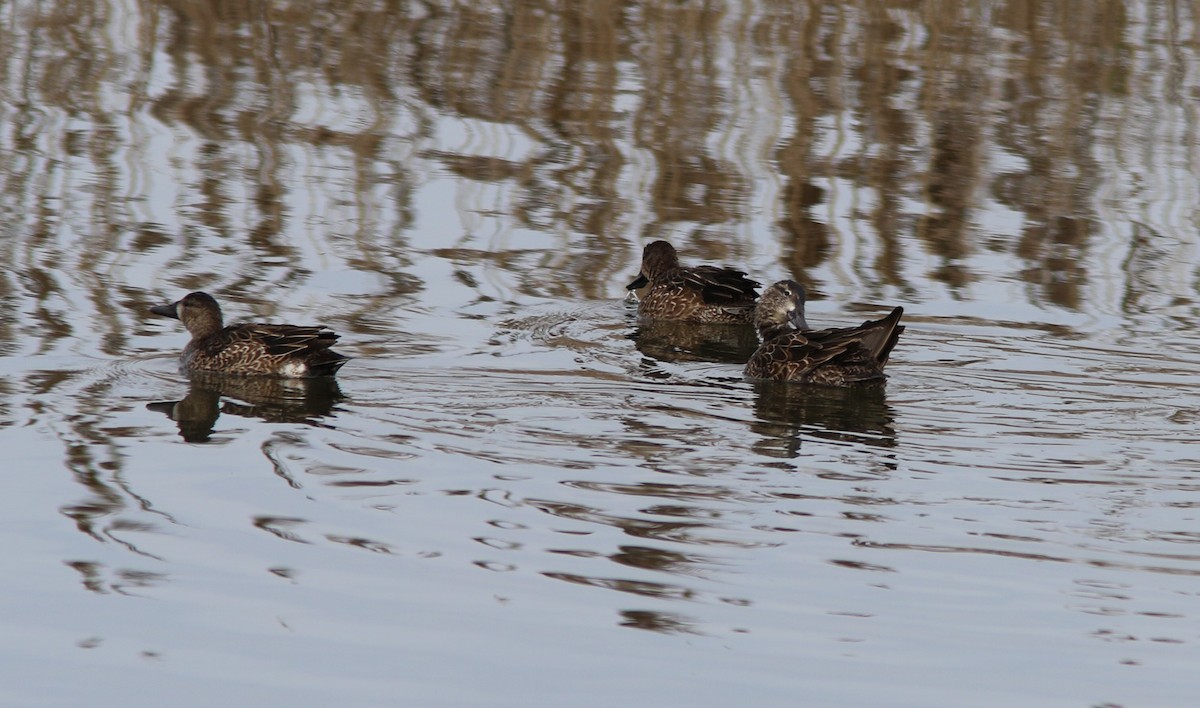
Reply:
x=518, y=494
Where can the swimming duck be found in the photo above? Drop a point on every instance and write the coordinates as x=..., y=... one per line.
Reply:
x=791, y=351
x=697, y=294
x=257, y=349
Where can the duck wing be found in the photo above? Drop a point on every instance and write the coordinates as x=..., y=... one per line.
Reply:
x=719, y=286
x=287, y=340
x=801, y=356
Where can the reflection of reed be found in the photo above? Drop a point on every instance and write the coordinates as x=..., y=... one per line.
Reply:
x=656, y=621
x=630, y=119
x=786, y=411
x=275, y=400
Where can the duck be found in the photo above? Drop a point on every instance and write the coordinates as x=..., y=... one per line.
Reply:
x=792, y=351
x=704, y=294
x=257, y=349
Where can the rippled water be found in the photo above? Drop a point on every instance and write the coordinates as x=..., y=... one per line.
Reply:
x=516, y=494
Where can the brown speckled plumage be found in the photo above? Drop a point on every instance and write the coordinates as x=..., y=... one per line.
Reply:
x=256, y=349
x=838, y=356
x=669, y=291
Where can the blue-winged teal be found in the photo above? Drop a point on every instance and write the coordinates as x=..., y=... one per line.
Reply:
x=258, y=349
x=670, y=291
x=790, y=351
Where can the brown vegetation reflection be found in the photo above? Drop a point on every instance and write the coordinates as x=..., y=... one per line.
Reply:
x=705, y=101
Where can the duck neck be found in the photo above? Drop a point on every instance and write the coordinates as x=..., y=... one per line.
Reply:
x=770, y=330
x=204, y=324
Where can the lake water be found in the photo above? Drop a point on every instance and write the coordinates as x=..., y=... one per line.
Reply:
x=515, y=494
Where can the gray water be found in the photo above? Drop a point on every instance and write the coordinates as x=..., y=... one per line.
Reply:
x=517, y=495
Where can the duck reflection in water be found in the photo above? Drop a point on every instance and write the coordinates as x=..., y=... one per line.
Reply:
x=274, y=400
x=786, y=413
x=690, y=341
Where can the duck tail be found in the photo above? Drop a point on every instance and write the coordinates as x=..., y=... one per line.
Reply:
x=882, y=336
x=327, y=363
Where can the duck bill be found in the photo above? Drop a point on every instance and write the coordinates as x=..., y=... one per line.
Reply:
x=797, y=321
x=640, y=282
x=165, y=311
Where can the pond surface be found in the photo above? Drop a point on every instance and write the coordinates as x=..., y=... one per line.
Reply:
x=516, y=494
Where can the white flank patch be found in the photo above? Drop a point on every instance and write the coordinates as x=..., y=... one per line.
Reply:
x=294, y=369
